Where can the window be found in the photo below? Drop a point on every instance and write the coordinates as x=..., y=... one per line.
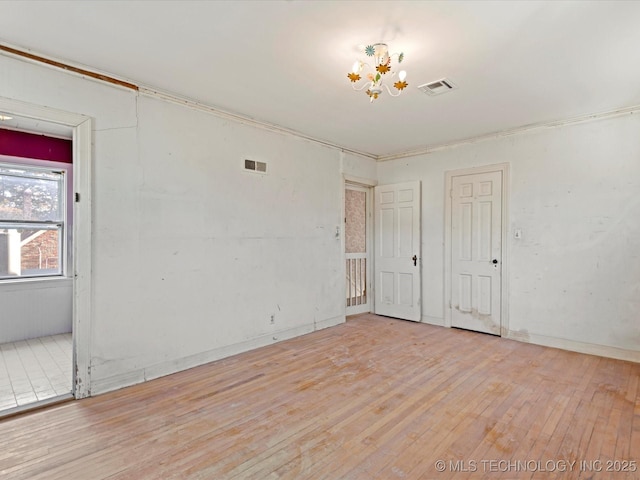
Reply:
x=32, y=221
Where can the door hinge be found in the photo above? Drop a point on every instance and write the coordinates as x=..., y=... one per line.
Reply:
x=77, y=196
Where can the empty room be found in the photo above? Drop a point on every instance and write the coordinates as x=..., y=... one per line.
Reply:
x=290, y=239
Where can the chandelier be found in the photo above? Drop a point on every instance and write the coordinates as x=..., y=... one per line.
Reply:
x=375, y=74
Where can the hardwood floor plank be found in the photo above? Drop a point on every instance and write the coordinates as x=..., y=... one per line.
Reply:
x=375, y=398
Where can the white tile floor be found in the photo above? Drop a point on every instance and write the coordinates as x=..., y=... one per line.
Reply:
x=34, y=370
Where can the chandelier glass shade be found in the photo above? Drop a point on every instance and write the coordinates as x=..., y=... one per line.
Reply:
x=382, y=67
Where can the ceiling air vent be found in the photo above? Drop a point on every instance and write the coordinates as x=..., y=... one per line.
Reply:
x=254, y=166
x=438, y=87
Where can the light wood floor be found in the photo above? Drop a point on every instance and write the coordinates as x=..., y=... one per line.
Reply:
x=375, y=398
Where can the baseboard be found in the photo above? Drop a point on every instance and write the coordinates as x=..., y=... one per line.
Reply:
x=140, y=375
x=574, y=346
x=330, y=322
x=115, y=382
x=433, y=320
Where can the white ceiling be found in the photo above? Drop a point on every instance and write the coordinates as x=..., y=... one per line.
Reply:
x=285, y=62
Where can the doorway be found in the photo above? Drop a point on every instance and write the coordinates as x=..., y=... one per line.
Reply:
x=357, y=227
x=476, y=207
x=78, y=266
x=36, y=288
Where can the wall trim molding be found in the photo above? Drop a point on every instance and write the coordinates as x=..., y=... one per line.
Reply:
x=556, y=342
x=360, y=181
x=244, y=120
x=83, y=71
x=65, y=66
x=512, y=131
x=144, y=374
x=575, y=346
x=86, y=72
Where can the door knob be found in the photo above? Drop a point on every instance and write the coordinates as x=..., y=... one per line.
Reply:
x=494, y=261
x=415, y=260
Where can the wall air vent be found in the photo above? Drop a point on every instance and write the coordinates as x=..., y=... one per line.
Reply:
x=438, y=87
x=254, y=166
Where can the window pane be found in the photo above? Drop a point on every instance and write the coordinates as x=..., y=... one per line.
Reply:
x=27, y=252
x=35, y=196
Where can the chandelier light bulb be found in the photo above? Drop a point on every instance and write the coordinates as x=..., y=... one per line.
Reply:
x=371, y=73
x=381, y=49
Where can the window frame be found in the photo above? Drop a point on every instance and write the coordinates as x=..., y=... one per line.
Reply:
x=62, y=225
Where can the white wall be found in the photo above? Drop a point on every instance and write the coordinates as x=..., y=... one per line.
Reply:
x=35, y=308
x=357, y=167
x=575, y=194
x=192, y=255
x=209, y=252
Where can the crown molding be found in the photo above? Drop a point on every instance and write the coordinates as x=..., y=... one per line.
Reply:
x=50, y=62
x=245, y=120
x=13, y=51
x=510, y=132
x=83, y=71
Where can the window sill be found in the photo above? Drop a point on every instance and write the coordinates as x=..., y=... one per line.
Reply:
x=34, y=283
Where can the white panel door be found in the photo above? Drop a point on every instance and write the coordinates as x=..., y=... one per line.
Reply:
x=397, y=250
x=476, y=251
